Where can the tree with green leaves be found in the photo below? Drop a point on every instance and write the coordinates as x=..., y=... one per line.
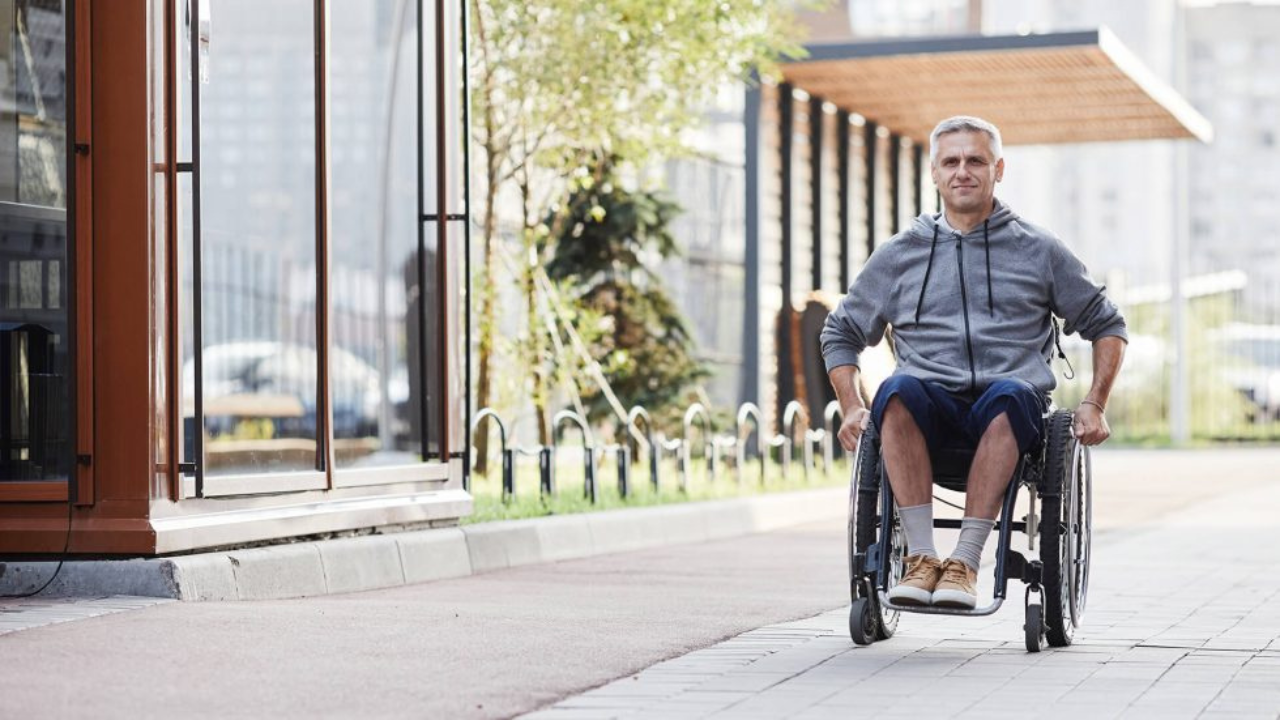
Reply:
x=557, y=82
x=640, y=339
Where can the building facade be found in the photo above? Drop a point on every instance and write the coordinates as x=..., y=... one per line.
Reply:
x=232, y=271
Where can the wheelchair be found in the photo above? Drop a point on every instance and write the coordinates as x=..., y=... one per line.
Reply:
x=1057, y=477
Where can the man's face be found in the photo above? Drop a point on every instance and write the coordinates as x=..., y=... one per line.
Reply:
x=966, y=171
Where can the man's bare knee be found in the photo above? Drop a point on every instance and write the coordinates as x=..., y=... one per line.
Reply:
x=897, y=416
x=1000, y=428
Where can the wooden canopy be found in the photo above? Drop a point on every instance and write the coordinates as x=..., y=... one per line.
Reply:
x=1053, y=88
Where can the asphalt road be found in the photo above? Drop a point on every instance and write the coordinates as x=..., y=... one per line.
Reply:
x=499, y=644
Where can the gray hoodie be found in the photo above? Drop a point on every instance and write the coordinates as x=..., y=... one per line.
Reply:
x=967, y=310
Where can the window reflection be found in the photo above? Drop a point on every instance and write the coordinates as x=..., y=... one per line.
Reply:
x=258, y=234
x=35, y=378
x=373, y=232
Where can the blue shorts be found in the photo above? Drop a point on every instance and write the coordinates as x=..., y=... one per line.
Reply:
x=948, y=420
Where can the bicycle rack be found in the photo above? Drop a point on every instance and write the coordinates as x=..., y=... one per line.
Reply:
x=588, y=450
x=640, y=412
x=695, y=410
x=788, y=437
x=508, y=455
x=749, y=411
x=829, y=442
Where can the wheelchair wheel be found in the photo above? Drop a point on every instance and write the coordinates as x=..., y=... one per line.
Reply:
x=1065, y=530
x=1033, y=628
x=862, y=622
x=863, y=533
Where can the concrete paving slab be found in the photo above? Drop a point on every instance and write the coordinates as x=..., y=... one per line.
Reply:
x=1186, y=610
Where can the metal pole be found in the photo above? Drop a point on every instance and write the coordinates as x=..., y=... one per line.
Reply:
x=871, y=145
x=895, y=183
x=786, y=114
x=1179, y=380
x=816, y=150
x=624, y=470
x=466, y=223
x=749, y=385
x=424, y=395
x=917, y=162
x=197, y=266
x=842, y=189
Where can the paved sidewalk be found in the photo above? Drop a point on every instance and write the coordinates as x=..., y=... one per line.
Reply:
x=1183, y=622
x=33, y=612
x=513, y=641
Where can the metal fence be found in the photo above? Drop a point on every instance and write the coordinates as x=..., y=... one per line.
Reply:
x=697, y=436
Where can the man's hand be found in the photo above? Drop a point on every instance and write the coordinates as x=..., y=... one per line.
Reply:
x=851, y=428
x=1090, y=425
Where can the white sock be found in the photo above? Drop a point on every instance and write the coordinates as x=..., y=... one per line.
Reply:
x=917, y=523
x=973, y=537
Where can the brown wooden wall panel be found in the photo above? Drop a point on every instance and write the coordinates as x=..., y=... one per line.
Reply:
x=123, y=261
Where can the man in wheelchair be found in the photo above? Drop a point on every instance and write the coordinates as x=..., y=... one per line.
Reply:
x=970, y=296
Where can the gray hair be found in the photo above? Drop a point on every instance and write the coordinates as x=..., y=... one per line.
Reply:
x=965, y=123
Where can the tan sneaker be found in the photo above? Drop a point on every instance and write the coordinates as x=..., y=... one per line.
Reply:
x=957, y=588
x=916, y=586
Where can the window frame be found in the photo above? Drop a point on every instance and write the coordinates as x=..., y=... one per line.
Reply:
x=78, y=486
x=190, y=478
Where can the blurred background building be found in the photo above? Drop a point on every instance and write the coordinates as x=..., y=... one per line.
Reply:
x=1153, y=219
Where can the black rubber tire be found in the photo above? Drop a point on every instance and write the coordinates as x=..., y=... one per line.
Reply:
x=1033, y=628
x=1064, y=530
x=867, y=524
x=862, y=622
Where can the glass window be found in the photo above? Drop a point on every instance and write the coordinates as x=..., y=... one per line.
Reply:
x=35, y=363
x=258, y=234
x=373, y=232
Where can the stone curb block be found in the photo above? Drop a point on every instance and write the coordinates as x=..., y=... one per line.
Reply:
x=204, y=577
x=380, y=561
x=279, y=571
x=361, y=563
x=433, y=555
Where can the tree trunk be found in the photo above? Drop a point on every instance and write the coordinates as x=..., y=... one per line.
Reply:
x=535, y=347
x=487, y=284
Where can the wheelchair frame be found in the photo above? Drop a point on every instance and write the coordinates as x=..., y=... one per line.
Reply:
x=1058, y=479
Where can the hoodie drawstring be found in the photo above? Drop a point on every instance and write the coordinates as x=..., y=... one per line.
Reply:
x=927, y=269
x=986, y=241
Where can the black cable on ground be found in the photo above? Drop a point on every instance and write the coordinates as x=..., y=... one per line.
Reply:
x=66, y=546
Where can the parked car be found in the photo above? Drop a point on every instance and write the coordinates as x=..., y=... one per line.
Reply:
x=1252, y=364
x=278, y=381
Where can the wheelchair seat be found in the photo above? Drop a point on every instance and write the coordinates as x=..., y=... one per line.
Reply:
x=951, y=466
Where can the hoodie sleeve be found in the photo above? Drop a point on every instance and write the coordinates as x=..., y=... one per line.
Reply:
x=860, y=319
x=1078, y=300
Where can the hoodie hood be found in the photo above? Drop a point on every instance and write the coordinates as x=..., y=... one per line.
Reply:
x=923, y=227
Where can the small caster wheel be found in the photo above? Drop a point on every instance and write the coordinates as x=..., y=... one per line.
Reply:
x=1034, y=628
x=862, y=622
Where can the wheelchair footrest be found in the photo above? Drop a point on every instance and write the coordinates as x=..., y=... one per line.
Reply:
x=935, y=610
